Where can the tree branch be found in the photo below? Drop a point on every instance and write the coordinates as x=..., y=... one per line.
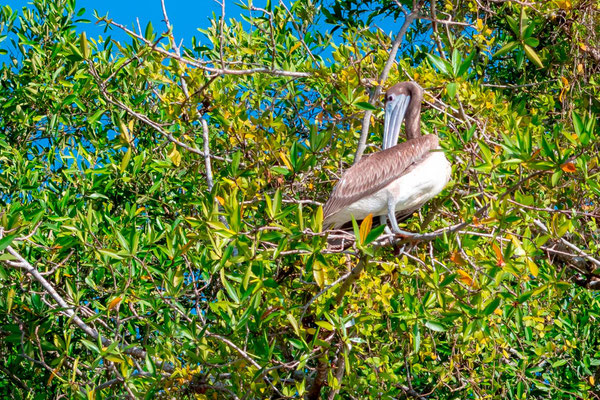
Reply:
x=200, y=65
x=67, y=310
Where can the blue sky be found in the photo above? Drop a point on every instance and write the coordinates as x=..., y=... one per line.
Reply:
x=186, y=16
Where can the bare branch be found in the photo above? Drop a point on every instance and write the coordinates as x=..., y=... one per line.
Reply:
x=200, y=65
x=570, y=245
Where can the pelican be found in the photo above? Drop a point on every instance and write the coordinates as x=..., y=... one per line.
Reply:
x=398, y=179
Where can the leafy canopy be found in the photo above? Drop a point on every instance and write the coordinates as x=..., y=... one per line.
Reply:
x=161, y=220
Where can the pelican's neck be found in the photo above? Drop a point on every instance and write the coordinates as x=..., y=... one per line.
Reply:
x=413, y=119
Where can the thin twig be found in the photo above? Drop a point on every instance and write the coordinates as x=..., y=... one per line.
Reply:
x=582, y=253
x=200, y=65
x=209, y=174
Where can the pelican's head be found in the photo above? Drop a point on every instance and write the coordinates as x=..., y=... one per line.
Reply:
x=398, y=98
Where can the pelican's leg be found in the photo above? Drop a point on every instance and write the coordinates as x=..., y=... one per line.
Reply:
x=383, y=221
x=392, y=216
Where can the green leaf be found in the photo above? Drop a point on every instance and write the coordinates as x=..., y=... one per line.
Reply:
x=148, y=32
x=294, y=323
x=507, y=48
x=363, y=105
x=229, y=288
x=451, y=88
x=491, y=306
x=416, y=338
x=525, y=296
x=532, y=55
x=90, y=345
x=455, y=61
x=464, y=67
x=556, y=177
x=92, y=120
x=374, y=234
x=110, y=253
x=325, y=325
x=533, y=42
x=559, y=363
x=577, y=123
x=435, y=326
x=441, y=64
x=356, y=230
x=6, y=241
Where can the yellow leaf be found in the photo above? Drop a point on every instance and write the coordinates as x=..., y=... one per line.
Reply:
x=479, y=24
x=325, y=325
x=294, y=47
x=114, y=358
x=9, y=299
x=565, y=81
x=220, y=200
x=592, y=381
x=285, y=160
x=319, y=219
x=499, y=258
x=53, y=374
x=319, y=274
x=125, y=136
x=175, y=156
x=465, y=277
x=114, y=302
x=532, y=55
x=365, y=228
x=564, y=4
x=568, y=167
x=125, y=160
x=580, y=68
x=533, y=268
x=457, y=258
x=83, y=44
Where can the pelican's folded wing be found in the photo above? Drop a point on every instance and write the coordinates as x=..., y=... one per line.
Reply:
x=376, y=171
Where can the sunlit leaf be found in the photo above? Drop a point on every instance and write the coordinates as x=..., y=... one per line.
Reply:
x=568, y=167
x=532, y=55
x=175, y=156
x=365, y=227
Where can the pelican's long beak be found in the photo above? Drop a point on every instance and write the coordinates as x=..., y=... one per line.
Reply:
x=394, y=114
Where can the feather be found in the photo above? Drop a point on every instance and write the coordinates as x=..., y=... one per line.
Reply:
x=376, y=171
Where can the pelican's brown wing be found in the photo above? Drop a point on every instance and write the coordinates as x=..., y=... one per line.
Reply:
x=376, y=171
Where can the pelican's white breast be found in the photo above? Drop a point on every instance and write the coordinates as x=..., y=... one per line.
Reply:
x=424, y=181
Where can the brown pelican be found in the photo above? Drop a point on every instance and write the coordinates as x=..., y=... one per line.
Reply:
x=398, y=179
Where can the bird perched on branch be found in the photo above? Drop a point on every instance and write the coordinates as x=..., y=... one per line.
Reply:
x=400, y=178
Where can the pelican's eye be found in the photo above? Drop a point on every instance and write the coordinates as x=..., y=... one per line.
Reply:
x=390, y=98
